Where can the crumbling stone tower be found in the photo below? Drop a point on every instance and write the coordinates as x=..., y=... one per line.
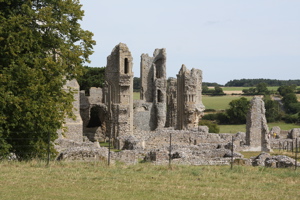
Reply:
x=171, y=102
x=119, y=92
x=256, y=128
x=189, y=98
x=154, y=84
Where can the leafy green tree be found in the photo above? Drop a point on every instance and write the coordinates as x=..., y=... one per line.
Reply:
x=92, y=77
x=205, y=89
x=286, y=89
x=289, y=101
x=237, y=111
x=218, y=91
x=41, y=46
x=262, y=88
x=136, y=84
x=273, y=110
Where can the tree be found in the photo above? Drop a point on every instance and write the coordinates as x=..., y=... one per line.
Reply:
x=289, y=101
x=136, y=84
x=41, y=46
x=273, y=110
x=262, y=89
x=218, y=91
x=238, y=111
x=286, y=89
x=92, y=77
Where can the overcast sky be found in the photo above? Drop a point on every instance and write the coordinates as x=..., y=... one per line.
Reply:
x=226, y=39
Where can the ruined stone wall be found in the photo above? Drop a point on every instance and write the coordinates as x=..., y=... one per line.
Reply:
x=189, y=98
x=171, y=120
x=119, y=91
x=256, y=128
x=94, y=114
x=143, y=116
x=153, y=86
x=74, y=129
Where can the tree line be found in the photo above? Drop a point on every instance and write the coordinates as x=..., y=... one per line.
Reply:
x=254, y=82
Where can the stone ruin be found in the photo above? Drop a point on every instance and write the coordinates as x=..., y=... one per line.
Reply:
x=118, y=93
x=73, y=128
x=189, y=99
x=171, y=120
x=167, y=110
x=257, y=138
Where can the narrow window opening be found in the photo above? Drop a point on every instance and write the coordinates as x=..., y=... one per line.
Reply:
x=159, y=96
x=126, y=66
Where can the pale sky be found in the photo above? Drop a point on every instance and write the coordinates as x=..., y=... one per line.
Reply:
x=226, y=39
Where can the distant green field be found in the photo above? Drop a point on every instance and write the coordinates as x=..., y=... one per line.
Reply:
x=242, y=127
x=220, y=102
x=242, y=88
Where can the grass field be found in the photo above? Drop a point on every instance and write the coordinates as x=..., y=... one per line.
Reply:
x=242, y=127
x=220, y=102
x=94, y=180
x=136, y=96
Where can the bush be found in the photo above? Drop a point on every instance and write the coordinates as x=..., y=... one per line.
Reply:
x=211, y=117
x=210, y=110
x=213, y=127
x=293, y=119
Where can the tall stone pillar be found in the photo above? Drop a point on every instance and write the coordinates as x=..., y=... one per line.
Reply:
x=257, y=128
x=171, y=103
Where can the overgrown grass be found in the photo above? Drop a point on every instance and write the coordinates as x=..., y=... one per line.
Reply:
x=220, y=102
x=94, y=180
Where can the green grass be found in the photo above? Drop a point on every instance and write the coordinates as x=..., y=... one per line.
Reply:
x=232, y=128
x=90, y=180
x=234, y=88
x=283, y=126
x=106, y=144
x=242, y=88
x=220, y=102
x=242, y=127
x=136, y=96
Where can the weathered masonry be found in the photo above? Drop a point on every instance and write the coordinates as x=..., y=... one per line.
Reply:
x=154, y=84
x=257, y=128
x=74, y=127
x=171, y=102
x=189, y=98
x=118, y=92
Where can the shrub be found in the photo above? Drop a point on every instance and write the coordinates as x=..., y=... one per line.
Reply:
x=213, y=127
